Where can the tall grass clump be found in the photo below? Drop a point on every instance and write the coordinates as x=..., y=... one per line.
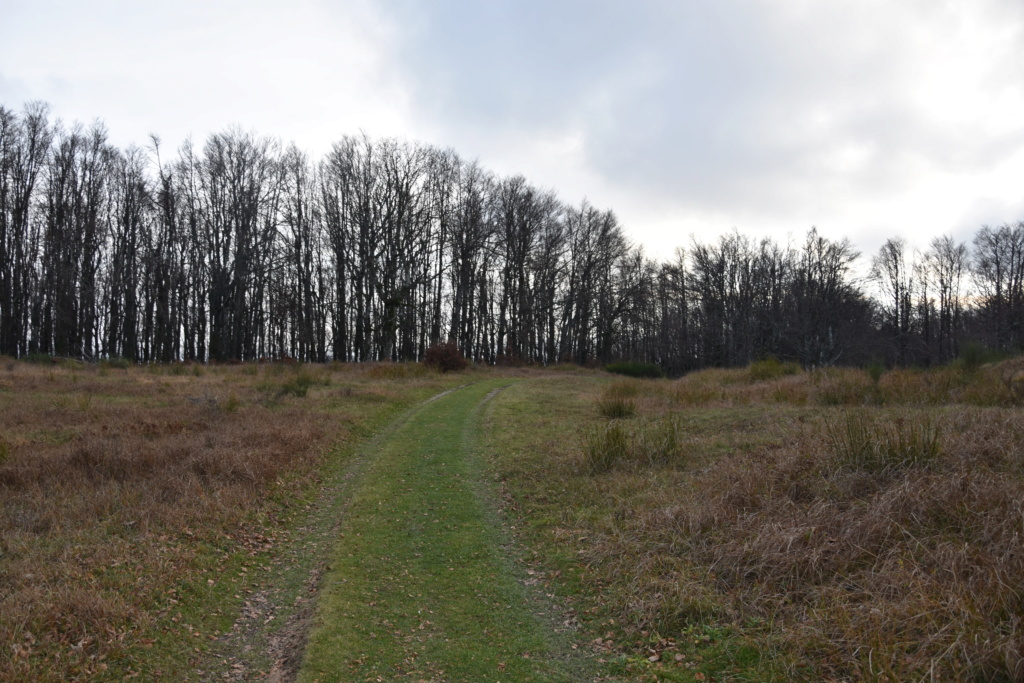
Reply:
x=859, y=444
x=700, y=387
x=632, y=368
x=606, y=447
x=649, y=444
x=616, y=407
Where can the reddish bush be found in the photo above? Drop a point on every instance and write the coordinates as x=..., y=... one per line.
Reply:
x=445, y=357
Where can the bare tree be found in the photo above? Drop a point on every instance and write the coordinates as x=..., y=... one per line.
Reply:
x=944, y=266
x=893, y=276
x=24, y=153
x=998, y=273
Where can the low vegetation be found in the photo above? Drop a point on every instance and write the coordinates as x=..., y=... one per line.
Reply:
x=140, y=508
x=807, y=525
x=750, y=524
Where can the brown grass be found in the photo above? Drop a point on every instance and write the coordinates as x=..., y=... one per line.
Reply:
x=865, y=571
x=118, y=486
x=989, y=386
x=904, y=561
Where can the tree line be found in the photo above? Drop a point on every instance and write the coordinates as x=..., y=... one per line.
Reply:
x=247, y=248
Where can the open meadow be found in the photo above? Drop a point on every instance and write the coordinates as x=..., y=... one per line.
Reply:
x=179, y=522
x=772, y=524
x=145, y=511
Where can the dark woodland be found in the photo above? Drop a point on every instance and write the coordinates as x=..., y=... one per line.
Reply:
x=247, y=248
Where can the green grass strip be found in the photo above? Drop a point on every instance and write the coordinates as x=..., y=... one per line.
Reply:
x=420, y=588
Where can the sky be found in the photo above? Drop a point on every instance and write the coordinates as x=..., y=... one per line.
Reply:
x=868, y=119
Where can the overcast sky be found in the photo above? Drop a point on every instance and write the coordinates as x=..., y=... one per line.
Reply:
x=865, y=118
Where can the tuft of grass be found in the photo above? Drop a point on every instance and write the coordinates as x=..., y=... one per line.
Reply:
x=616, y=407
x=606, y=447
x=624, y=389
x=231, y=404
x=860, y=444
x=635, y=369
x=646, y=445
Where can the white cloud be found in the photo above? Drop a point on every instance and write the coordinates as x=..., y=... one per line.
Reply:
x=866, y=118
x=304, y=72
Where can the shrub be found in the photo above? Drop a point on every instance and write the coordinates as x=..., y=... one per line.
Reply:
x=771, y=368
x=635, y=369
x=445, y=358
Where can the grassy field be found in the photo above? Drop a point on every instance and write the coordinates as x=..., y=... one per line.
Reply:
x=152, y=519
x=184, y=522
x=771, y=524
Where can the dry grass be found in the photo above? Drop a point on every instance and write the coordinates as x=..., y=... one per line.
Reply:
x=645, y=445
x=865, y=571
x=878, y=542
x=767, y=382
x=118, y=486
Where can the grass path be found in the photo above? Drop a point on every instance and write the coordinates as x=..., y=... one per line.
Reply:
x=420, y=587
